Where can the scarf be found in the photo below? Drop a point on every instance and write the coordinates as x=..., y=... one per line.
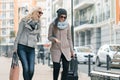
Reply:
x=31, y=24
x=62, y=25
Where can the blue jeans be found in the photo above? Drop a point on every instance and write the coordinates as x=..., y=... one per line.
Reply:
x=27, y=57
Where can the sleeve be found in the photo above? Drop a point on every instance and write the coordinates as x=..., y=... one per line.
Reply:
x=50, y=33
x=69, y=37
x=20, y=29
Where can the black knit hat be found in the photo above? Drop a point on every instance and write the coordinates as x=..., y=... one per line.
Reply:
x=61, y=11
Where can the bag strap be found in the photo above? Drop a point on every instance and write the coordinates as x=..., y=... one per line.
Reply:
x=15, y=60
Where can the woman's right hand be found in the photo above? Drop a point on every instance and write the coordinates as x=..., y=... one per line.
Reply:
x=56, y=40
x=15, y=50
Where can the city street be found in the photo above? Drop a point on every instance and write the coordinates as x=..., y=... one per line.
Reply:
x=52, y=27
x=42, y=72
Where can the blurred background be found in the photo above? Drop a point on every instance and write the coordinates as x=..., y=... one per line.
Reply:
x=94, y=23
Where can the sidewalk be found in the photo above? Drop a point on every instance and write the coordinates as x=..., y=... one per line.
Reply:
x=42, y=72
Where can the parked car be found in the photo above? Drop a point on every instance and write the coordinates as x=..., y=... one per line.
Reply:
x=82, y=54
x=113, y=51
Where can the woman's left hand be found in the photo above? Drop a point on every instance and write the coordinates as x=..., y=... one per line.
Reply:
x=72, y=54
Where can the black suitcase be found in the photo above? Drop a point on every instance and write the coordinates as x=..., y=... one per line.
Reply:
x=73, y=69
x=72, y=76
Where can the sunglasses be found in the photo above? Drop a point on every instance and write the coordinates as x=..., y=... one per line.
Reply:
x=63, y=17
x=40, y=12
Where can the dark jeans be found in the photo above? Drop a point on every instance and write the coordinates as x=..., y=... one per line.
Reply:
x=56, y=69
x=27, y=57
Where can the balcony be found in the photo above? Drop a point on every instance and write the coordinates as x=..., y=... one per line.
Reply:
x=78, y=23
x=81, y=4
x=84, y=27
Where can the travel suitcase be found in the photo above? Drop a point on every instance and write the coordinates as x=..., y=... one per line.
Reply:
x=73, y=69
x=72, y=76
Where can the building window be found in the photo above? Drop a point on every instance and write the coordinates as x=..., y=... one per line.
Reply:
x=4, y=0
x=4, y=31
x=76, y=2
x=11, y=22
x=106, y=0
x=83, y=16
x=11, y=14
x=3, y=23
x=11, y=5
x=82, y=38
x=77, y=18
x=88, y=35
x=3, y=6
x=86, y=15
x=4, y=15
x=99, y=12
x=107, y=12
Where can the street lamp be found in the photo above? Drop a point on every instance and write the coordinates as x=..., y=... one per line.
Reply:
x=72, y=27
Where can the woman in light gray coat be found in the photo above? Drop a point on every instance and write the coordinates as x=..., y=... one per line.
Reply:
x=61, y=48
x=25, y=42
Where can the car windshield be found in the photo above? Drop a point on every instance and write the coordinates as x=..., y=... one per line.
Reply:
x=84, y=49
x=115, y=48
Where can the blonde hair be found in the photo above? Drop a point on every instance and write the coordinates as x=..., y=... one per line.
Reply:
x=31, y=14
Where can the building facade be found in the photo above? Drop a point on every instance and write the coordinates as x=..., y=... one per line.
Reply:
x=95, y=23
x=56, y=4
x=11, y=11
x=6, y=20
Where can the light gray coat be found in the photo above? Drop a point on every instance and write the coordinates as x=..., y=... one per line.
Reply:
x=65, y=46
x=25, y=36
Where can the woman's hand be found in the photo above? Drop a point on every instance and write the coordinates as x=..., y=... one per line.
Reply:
x=72, y=54
x=15, y=50
x=56, y=40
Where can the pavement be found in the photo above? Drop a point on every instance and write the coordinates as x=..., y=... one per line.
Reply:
x=42, y=72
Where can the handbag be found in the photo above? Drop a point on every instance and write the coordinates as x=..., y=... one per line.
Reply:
x=73, y=69
x=14, y=70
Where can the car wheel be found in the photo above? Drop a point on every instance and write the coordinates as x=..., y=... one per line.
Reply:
x=84, y=62
x=98, y=62
x=93, y=62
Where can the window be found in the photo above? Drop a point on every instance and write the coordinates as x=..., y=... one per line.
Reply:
x=11, y=5
x=4, y=15
x=83, y=16
x=3, y=23
x=106, y=0
x=107, y=9
x=4, y=31
x=99, y=12
x=11, y=14
x=106, y=49
x=107, y=15
x=3, y=6
x=11, y=22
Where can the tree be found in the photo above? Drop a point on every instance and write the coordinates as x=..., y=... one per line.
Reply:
x=12, y=34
